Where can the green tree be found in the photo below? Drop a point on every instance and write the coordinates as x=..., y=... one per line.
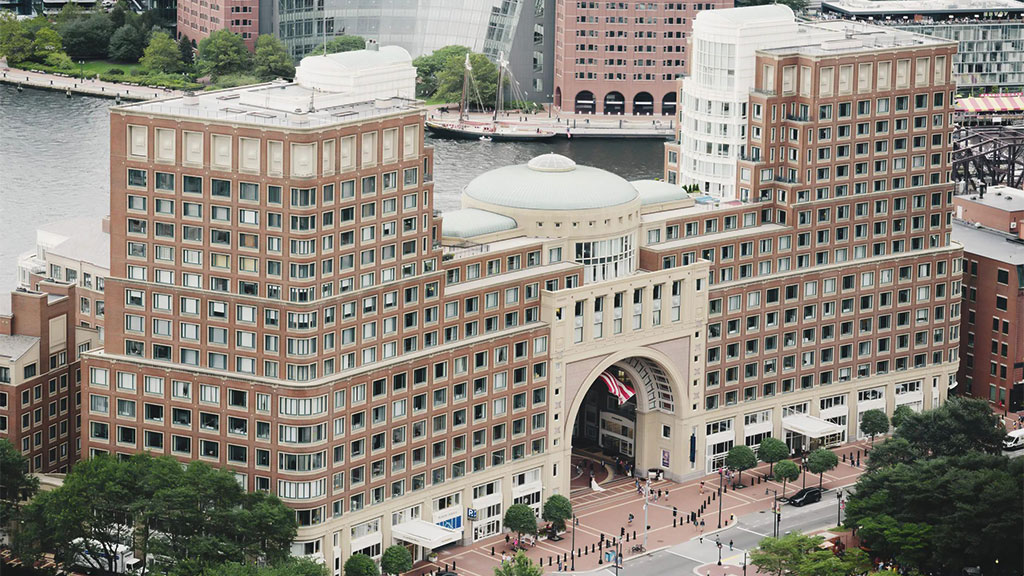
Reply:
x=795, y=5
x=15, y=39
x=771, y=451
x=345, y=43
x=86, y=37
x=428, y=66
x=126, y=45
x=557, y=509
x=740, y=458
x=186, y=50
x=893, y=451
x=16, y=484
x=69, y=13
x=271, y=59
x=118, y=13
x=820, y=461
x=779, y=556
x=223, y=52
x=186, y=519
x=484, y=86
x=938, y=514
x=900, y=415
x=959, y=426
x=46, y=42
x=59, y=60
x=521, y=565
x=520, y=519
x=826, y=563
x=288, y=567
x=786, y=471
x=361, y=565
x=161, y=55
x=396, y=560
x=873, y=423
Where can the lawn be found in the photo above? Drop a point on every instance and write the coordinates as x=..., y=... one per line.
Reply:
x=94, y=67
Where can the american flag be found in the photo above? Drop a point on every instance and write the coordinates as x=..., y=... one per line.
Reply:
x=616, y=388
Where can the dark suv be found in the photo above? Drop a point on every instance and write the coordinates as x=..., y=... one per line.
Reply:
x=805, y=496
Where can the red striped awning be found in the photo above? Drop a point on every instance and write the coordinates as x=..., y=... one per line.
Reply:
x=989, y=103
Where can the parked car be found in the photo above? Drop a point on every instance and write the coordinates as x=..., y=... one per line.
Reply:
x=806, y=496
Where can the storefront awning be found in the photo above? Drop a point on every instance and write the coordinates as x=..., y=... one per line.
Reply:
x=810, y=426
x=425, y=534
x=991, y=103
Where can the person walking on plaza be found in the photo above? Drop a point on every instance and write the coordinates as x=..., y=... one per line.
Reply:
x=730, y=544
x=701, y=487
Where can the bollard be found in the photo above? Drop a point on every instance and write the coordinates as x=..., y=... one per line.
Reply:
x=549, y=560
x=844, y=458
x=446, y=567
x=453, y=566
x=713, y=495
x=673, y=522
x=591, y=547
x=584, y=550
x=492, y=550
x=634, y=534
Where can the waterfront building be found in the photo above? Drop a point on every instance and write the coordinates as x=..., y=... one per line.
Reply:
x=990, y=226
x=77, y=252
x=40, y=352
x=622, y=57
x=196, y=19
x=990, y=34
x=290, y=305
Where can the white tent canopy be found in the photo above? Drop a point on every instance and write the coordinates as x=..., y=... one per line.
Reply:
x=425, y=534
x=810, y=426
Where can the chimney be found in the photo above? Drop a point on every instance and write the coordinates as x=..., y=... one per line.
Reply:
x=371, y=44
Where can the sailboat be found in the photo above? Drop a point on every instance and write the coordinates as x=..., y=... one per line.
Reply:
x=465, y=128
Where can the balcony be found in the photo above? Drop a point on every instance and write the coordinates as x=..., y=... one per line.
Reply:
x=798, y=117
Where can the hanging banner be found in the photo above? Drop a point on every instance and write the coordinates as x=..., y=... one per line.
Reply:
x=616, y=388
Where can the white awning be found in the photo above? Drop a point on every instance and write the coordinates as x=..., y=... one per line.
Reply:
x=425, y=534
x=810, y=426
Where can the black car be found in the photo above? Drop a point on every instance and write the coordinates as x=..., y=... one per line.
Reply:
x=805, y=496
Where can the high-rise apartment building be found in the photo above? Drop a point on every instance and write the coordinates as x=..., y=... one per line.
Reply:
x=622, y=57
x=990, y=226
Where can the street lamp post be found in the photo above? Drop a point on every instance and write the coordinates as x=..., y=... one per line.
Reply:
x=720, y=480
x=572, y=553
x=81, y=69
x=744, y=563
x=719, y=542
x=839, y=507
x=775, y=511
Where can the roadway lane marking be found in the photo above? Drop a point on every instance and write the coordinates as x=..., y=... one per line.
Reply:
x=685, y=556
x=751, y=531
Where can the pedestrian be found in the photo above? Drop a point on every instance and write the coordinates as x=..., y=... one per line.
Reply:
x=858, y=461
x=732, y=518
x=666, y=494
x=702, y=487
x=701, y=537
x=630, y=518
x=730, y=543
x=508, y=539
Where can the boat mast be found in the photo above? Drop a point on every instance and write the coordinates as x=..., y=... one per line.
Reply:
x=465, y=85
x=501, y=78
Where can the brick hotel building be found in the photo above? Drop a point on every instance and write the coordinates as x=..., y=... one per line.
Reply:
x=295, y=310
x=622, y=57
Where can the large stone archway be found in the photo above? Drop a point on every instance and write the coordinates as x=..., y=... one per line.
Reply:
x=660, y=403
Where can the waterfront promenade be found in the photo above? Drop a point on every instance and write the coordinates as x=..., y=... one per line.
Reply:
x=569, y=125
x=90, y=87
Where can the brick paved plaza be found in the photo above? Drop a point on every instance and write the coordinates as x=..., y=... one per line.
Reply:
x=607, y=511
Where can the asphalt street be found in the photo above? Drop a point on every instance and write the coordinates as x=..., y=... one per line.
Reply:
x=684, y=559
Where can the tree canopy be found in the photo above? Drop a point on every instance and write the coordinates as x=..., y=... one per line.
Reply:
x=429, y=65
x=223, y=52
x=361, y=565
x=396, y=560
x=289, y=567
x=345, y=43
x=936, y=495
x=88, y=36
x=797, y=554
x=162, y=54
x=485, y=81
x=127, y=44
x=900, y=415
x=520, y=565
x=820, y=461
x=771, y=450
x=271, y=59
x=740, y=458
x=873, y=423
x=185, y=519
x=520, y=519
x=29, y=40
x=786, y=471
x=16, y=484
x=557, y=509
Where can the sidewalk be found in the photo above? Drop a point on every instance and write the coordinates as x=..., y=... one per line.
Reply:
x=602, y=516
x=90, y=87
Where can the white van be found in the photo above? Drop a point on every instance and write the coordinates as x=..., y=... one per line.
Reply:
x=1014, y=440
